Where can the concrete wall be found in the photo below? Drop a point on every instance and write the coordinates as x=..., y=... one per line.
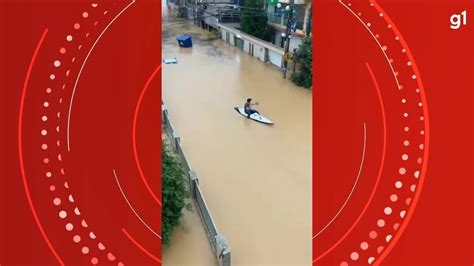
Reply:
x=223, y=35
x=275, y=58
x=258, y=50
x=260, y=47
x=295, y=42
x=246, y=46
x=231, y=39
x=218, y=243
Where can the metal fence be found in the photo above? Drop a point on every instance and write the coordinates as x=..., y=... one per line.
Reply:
x=218, y=243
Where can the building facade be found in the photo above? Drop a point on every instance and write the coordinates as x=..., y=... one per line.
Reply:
x=278, y=19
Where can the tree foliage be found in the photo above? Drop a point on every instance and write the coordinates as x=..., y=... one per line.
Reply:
x=253, y=18
x=303, y=63
x=174, y=192
x=182, y=12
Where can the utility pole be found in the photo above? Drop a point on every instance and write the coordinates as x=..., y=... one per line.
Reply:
x=289, y=25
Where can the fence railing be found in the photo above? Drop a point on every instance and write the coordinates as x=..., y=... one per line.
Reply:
x=218, y=243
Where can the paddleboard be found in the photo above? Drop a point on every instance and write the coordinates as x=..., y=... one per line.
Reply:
x=256, y=117
x=170, y=60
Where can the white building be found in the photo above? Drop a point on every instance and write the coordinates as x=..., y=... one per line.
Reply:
x=268, y=52
x=278, y=19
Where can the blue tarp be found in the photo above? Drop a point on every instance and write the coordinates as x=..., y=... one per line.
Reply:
x=184, y=41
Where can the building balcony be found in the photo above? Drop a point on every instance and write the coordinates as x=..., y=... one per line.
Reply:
x=274, y=18
x=283, y=20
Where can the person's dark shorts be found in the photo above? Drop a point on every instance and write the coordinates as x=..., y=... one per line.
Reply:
x=250, y=111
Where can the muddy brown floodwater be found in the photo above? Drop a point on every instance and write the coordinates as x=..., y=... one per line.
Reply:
x=256, y=178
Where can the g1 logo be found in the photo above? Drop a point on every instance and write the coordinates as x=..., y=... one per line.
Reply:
x=458, y=20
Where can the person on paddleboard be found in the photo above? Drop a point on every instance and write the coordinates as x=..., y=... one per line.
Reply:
x=248, y=108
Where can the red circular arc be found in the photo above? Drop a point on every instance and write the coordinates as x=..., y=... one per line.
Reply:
x=380, y=168
x=134, y=134
x=148, y=253
x=404, y=224
x=20, y=149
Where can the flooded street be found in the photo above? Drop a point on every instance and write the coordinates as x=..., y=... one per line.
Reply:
x=256, y=178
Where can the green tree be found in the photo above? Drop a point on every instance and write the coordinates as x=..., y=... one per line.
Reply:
x=174, y=192
x=303, y=63
x=253, y=18
x=182, y=10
